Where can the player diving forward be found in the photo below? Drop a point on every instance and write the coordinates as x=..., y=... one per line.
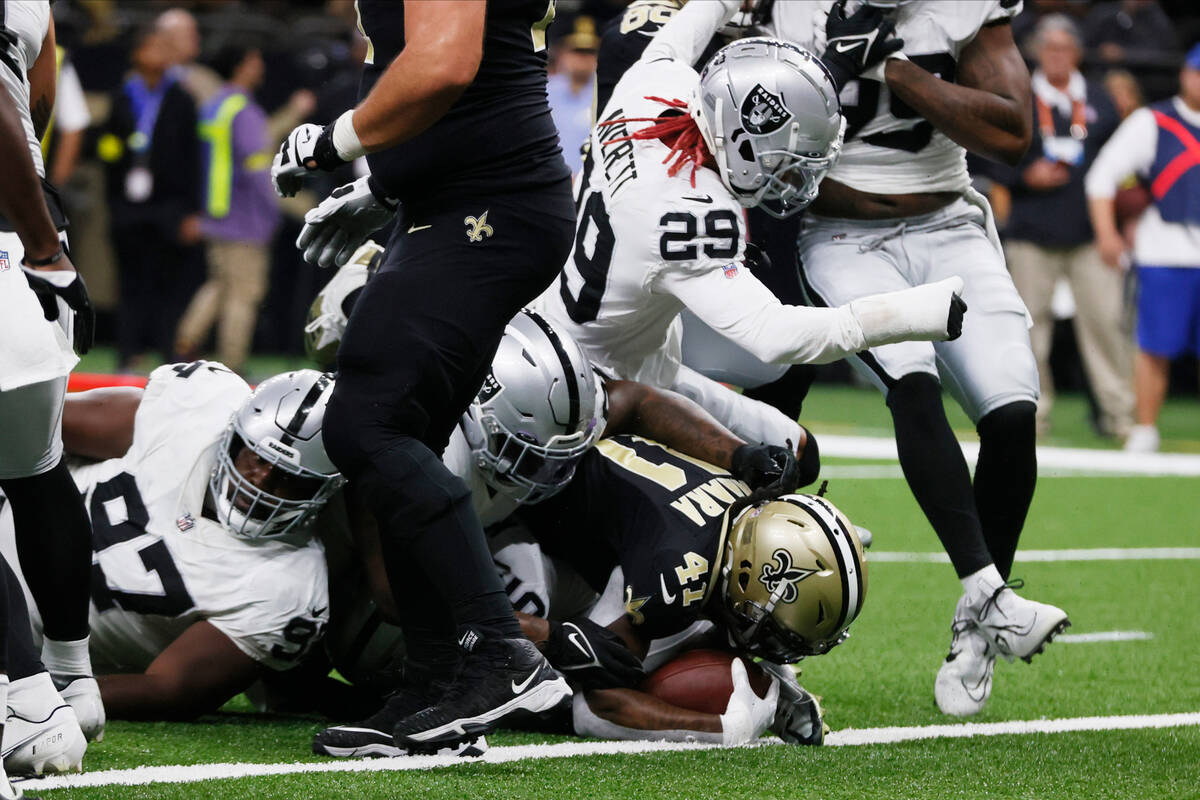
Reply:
x=759, y=128
x=683, y=559
x=204, y=500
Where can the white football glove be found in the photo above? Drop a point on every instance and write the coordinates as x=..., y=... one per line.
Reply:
x=931, y=312
x=747, y=715
x=340, y=225
x=291, y=164
x=328, y=315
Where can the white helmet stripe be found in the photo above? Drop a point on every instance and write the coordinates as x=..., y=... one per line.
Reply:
x=848, y=562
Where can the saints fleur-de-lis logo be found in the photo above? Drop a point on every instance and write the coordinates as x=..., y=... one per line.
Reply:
x=782, y=579
x=477, y=228
x=633, y=606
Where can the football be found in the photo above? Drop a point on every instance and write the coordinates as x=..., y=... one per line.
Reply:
x=699, y=680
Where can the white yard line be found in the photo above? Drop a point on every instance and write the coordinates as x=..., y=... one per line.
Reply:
x=1049, y=458
x=141, y=776
x=1089, y=554
x=1102, y=636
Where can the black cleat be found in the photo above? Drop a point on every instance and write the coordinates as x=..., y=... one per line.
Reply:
x=498, y=677
x=373, y=736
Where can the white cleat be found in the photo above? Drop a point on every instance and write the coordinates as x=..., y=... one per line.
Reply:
x=1016, y=627
x=1142, y=439
x=83, y=694
x=964, y=681
x=41, y=732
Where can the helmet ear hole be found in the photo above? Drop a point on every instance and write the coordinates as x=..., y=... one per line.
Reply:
x=743, y=580
x=746, y=150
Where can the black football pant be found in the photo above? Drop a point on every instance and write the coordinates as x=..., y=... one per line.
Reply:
x=418, y=345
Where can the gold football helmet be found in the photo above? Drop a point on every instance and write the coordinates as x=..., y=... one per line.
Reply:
x=792, y=580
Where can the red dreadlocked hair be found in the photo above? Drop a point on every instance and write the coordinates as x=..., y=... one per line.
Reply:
x=679, y=132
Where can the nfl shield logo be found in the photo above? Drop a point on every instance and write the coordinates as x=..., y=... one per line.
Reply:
x=4, y=263
x=731, y=271
x=186, y=522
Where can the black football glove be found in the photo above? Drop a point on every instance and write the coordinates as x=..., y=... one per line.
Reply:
x=592, y=656
x=858, y=42
x=958, y=308
x=74, y=294
x=767, y=466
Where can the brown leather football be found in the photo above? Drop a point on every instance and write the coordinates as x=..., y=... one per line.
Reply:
x=699, y=680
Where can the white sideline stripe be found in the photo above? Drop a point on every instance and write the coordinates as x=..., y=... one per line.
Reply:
x=1091, y=554
x=1102, y=636
x=141, y=776
x=1072, y=458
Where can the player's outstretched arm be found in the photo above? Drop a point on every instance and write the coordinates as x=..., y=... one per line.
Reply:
x=990, y=110
x=196, y=674
x=98, y=423
x=687, y=33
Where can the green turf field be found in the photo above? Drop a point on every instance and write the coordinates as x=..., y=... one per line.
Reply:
x=882, y=676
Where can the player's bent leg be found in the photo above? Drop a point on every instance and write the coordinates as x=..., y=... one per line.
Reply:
x=1005, y=477
x=936, y=471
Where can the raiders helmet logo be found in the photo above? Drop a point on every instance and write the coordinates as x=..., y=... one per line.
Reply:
x=782, y=579
x=763, y=111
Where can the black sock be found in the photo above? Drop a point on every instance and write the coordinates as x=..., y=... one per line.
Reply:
x=54, y=544
x=788, y=392
x=1005, y=478
x=936, y=471
x=23, y=657
x=426, y=520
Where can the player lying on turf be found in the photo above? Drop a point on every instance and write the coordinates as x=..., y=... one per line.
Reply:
x=204, y=499
x=685, y=559
x=541, y=408
x=759, y=128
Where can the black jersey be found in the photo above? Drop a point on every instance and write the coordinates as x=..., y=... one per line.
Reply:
x=654, y=512
x=498, y=137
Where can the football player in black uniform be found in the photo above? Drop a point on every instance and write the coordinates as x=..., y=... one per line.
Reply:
x=457, y=131
x=781, y=581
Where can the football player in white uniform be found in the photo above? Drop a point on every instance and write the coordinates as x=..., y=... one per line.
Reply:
x=204, y=503
x=45, y=316
x=759, y=128
x=897, y=210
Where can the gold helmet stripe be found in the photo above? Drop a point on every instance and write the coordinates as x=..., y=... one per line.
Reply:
x=843, y=549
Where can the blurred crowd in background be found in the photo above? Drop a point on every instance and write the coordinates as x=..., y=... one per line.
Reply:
x=169, y=114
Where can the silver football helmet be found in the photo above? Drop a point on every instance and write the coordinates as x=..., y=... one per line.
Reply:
x=276, y=434
x=769, y=113
x=540, y=409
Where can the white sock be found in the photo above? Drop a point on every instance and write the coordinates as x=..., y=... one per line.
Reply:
x=979, y=585
x=67, y=659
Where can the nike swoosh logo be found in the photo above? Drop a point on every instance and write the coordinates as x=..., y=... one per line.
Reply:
x=705, y=199
x=667, y=597
x=319, y=611
x=416, y=228
x=523, y=685
x=577, y=640
x=850, y=46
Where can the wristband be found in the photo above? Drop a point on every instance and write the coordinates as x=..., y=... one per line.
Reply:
x=44, y=262
x=345, y=139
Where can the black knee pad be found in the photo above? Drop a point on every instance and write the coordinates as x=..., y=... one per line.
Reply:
x=810, y=462
x=915, y=394
x=407, y=487
x=1014, y=422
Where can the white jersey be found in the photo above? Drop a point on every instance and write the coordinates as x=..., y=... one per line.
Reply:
x=649, y=244
x=889, y=148
x=490, y=506
x=23, y=27
x=160, y=564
